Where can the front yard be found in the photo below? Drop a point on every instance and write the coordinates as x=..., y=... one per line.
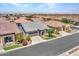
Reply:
x=52, y=33
x=47, y=37
x=11, y=47
x=24, y=41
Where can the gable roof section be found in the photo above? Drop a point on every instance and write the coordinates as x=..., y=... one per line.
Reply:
x=7, y=27
x=33, y=26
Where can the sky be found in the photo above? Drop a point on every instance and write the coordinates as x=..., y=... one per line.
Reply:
x=64, y=8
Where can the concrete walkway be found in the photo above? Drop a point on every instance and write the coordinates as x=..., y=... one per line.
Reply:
x=63, y=33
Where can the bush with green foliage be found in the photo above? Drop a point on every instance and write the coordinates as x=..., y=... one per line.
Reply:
x=29, y=16
x=50, y=31
x=22, y=37
x=65, y=20
x=28, y=38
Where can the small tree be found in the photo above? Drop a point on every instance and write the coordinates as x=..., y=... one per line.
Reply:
x=50, y=31
x=65, y=20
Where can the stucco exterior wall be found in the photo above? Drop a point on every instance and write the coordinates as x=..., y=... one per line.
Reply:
x=2, y=44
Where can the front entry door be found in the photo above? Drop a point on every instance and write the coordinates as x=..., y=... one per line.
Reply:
x=41, y=33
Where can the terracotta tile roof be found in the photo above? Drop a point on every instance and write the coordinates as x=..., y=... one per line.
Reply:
x=21, y=20
x=54, y=23
x=3, y=19
x=7, y=28
x=37, y=19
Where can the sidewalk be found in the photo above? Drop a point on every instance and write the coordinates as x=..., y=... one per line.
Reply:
x=63, y=33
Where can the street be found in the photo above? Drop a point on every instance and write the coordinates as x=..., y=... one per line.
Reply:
x=51, y=48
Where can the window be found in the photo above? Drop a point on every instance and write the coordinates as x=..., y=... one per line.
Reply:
x=8, y=39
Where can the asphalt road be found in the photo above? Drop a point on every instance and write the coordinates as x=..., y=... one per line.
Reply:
x=51, y=48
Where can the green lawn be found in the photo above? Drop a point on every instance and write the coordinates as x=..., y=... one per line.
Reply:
x=46, y=37
x=11, y=47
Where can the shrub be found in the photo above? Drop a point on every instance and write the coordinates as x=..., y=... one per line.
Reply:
x=29, y=16
x=50, y=31
x=20, y=38
x=65, y=20
x=28, y=38
x=24, y=42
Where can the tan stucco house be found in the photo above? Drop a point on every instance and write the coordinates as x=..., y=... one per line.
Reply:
x=58, y=25
x=8, y=31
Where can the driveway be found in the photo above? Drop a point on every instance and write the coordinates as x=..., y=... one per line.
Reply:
x=37, y=39
x=50, y=48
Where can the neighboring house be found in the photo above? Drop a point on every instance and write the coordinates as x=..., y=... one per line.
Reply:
x=21, y=20
x=58, y=25
x=34, y=28
x=37, y=19
x=8, y=30
x=75, y=21
x=3, y=19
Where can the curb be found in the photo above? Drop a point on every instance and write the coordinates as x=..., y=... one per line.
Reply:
x=69, y=52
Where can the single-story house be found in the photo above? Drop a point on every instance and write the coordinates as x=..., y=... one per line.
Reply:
x=8, y=30
x=37, y=19
x=21, y=19
x=58, y=25
x=34, y=28
x=75, y=21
